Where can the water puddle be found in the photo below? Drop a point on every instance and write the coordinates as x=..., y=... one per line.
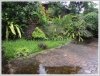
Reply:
x=63, y=70
x=40, y=69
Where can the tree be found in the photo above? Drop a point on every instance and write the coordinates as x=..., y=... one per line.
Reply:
x=11, y=27
x=92, y=22
x=26, y=14
x=77, y=6
x=56, y=9
x=89, y=7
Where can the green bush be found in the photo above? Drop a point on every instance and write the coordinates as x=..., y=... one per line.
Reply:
x=22, y=52
x=54, y=31
x=69, y=26
x=92, y=22
x=76, y=27
x=38, y=34
x=55, y=28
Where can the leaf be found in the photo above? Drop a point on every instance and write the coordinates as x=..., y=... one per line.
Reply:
x=12, y=28
x=18, y=30
x=73, y=35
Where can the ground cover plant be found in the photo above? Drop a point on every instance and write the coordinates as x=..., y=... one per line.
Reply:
x=22, y=47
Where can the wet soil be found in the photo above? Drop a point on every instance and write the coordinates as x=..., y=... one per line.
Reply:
x=68, y=59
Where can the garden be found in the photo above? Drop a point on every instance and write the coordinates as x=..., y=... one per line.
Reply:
x=29, y=28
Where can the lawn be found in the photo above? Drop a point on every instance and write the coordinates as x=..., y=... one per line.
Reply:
x=22, y=47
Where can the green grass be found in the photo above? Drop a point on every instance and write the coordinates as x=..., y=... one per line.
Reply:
x=11, y=47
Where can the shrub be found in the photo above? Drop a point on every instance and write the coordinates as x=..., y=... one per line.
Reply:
x=38, y=34
x=69, y=26
x=92, y=22
x=76, y=27
x=22, y=52
x=55, y=28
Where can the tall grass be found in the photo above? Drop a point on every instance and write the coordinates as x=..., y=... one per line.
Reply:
x=11, y=47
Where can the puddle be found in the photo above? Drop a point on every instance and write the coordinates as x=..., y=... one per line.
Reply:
x=63, y=70
x=40, y=69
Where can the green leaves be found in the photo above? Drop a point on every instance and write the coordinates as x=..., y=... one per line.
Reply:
x=38, y=33
x=18, y=30
x=76, y=27
x=22, y=52
x=92, y=22
x=12, y=29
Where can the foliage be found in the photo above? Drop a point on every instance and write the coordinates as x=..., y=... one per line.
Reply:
x=77, y=6
x=71, y=26
x=38, y=34
x=20, y=52
x=89, y=7
x=55, y=24
x=29, y=15
x=56, y=8
x=11, y=47
x=76, y=28
x=92, y=22
x=54, y=32
x=24, y=14
x=12, y=28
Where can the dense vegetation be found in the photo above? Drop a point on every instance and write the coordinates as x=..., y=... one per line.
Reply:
x=54, y=23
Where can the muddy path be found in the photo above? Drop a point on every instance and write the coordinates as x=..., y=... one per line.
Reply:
x=69, y=59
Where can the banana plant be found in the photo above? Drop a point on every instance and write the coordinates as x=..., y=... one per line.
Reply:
x=13, y=29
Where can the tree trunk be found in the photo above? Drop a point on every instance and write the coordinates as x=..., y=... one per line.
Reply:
x=32, y=25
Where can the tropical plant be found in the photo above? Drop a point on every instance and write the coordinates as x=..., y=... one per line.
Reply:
x=12, y=29
x=38, y=34
x=37, y=18
x=26, y=14
x=89, y=7
x=75, y=27
x=76, y=7
x=92, y=22
x=55, y=9
x=22, y=52
x=53, y=31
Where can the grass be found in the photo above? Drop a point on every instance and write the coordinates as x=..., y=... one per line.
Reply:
x=11, y=48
